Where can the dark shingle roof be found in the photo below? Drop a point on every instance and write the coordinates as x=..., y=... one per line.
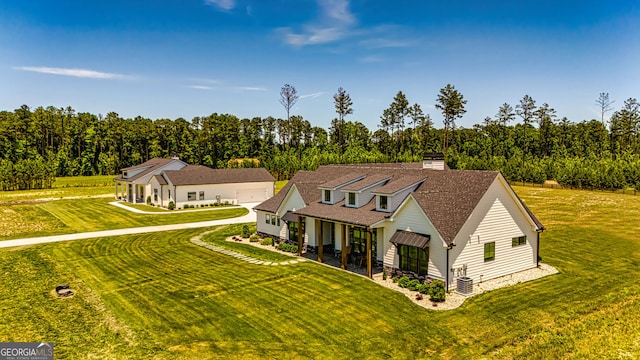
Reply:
x=448, y=197
x=160, y=179
x=332, y=184
x=198, y=175
x=366, y=182
x=398, y=183
x=148, y=166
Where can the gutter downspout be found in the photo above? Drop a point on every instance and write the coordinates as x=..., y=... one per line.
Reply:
x=538, y=248
x=448, y=270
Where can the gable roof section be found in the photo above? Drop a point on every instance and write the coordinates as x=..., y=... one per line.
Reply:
x=448, y=197
x=161, y=180
x=202, y=175
x=149, y=166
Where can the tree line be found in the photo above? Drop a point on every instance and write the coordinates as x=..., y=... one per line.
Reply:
x=39, y=144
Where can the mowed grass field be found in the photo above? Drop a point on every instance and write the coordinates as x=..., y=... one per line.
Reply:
x=90, y=214
x=160, y=296
x=65, y=187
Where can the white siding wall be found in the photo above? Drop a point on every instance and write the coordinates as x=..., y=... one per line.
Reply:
x=364, y=197
x=263, y=227
x=153, y=184
x=227, y=192
x=497, y=218
x=411, y=218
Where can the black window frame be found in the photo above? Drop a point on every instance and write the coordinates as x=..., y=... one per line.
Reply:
x=490, y=249
x=413, y=259
x=292, y=230
x=326, y=193
x=386, y=202
x=349, y=195
x=519, y=241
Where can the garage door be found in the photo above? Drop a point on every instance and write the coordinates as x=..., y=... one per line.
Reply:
x=251, y=195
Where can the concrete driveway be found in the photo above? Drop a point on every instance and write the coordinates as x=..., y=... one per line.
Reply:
x=250, y=217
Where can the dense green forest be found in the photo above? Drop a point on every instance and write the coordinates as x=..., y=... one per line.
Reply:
x=39, y=144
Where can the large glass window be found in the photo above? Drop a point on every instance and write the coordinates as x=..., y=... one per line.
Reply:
x=414, y=259
x=267, y=219
x=384, y=202
x=191, y=196
x=489, y=251
x=273, y=219
x=351, y=199
x=293, y=230
x=278, y=221
x=201, y=195
x=327, y=196
x=358, y=238
x=517, y=241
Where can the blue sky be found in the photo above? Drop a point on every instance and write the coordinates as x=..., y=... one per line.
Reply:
x=170, y=59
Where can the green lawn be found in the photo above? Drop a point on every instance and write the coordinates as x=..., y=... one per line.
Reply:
x=160, y=296
x=65, y=187
x=90, y=214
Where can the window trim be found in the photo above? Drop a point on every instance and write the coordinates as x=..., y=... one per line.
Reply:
x=267, y=219
x=191, y=196
x=519, y=241
x=491, y=251
x=386, y=202
x=349, y=203
x=201, y=195
x=324, y=196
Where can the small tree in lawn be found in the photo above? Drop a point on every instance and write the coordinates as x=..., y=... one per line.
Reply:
x=245, y=231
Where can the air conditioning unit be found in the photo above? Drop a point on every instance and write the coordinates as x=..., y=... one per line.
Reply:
x=465, y=285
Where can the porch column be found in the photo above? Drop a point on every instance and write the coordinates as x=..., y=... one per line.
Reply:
x=343, y=246
x=299, y=235
x=135, y=193
x=368, y=254
x=320, y=247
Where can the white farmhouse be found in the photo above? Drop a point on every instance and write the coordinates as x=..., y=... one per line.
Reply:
x=421, y=218
x=172, y=180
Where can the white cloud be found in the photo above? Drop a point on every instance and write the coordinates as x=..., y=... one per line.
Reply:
x=372, y=59
x=225, y=5
x=200, y=87
x=337, y=10
x=377, y=43
x=312, y=35
x=334, y=24
x=313, y=96
x=250, y=88
x=81, y=73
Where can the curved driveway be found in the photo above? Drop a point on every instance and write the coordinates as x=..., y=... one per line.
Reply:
x=250, y=217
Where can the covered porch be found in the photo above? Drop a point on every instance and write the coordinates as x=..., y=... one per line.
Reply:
x=129, y=192
x=338, y=244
